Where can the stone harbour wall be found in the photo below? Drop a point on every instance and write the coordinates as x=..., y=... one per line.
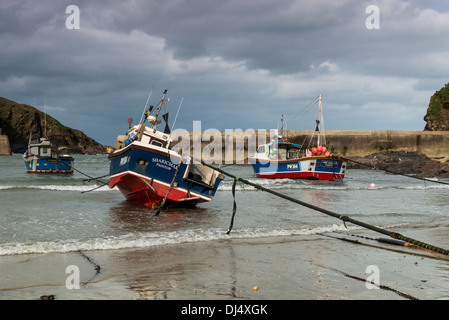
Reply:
x=347, y=143
x=5, y=148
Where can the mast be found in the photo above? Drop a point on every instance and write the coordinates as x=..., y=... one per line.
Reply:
x=318, y=122
x=160, y=103
x=155, y=121
x=282, y=126
x=45, y=120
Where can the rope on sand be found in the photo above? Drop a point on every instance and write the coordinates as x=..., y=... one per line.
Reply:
x=380, y=286
x=96, y=266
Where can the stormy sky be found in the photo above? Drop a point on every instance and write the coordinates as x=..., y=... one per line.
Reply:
x=235, y=64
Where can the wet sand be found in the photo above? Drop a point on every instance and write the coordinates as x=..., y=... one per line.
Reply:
x=307, y=267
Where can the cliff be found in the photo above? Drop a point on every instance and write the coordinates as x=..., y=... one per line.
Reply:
x=437, y=116
x=17, y=121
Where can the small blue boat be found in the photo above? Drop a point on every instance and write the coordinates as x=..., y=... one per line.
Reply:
x=40, y=159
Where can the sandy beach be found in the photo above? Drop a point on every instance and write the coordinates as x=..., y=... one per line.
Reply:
x=306, y=267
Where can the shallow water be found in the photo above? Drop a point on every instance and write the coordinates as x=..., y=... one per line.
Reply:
x=51, y=214
x=59, y=213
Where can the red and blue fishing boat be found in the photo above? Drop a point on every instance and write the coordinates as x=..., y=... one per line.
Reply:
x=146, y=170
x=283, y=159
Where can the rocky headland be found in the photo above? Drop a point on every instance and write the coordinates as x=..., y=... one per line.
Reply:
x=17, y=121
x=402, y=162
x=437, y=116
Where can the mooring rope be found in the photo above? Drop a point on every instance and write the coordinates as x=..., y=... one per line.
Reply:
x=90, y=178
x=344, y=218
x=169, y=189
x=234, y=207
x=388, y=241
x=380, y=286
x=96, y=266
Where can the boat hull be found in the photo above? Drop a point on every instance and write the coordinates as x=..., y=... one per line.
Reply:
x=54, y=165
x=311, y=168
x=147, y=175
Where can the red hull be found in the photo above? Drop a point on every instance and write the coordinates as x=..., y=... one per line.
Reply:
x=303, y=175
x=50, y=171
x=150, y=193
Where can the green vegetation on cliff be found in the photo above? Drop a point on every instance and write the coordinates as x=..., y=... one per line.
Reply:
x=19, y=120
x=437, y=117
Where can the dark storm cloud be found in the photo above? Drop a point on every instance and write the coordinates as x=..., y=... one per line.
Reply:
x=237, y=63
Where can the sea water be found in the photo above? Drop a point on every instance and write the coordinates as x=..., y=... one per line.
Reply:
x=48, y=213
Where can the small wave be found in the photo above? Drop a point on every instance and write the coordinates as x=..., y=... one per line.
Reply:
x=58, y=187
x=426, y=186
x=145, y=240
x=285, y=184
x=276, y=184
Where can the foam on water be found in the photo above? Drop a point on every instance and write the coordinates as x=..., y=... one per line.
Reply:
x=77, y=188
x=149, y=239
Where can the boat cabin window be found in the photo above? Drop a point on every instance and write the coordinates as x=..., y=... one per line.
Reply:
x=156, y=143
x=261, y=149
x=45, y=151
x=142, y=162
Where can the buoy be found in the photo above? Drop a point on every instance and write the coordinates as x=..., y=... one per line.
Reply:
x=320, y=149
x=327, y=154
x=372, y=185
x=324, y=149
x=314, y=150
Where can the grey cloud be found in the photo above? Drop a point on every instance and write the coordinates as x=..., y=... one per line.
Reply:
x=237, y=63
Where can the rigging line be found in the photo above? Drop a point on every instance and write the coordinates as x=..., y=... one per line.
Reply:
x=146, y=104
x=176, y=116
x=344, y=218
x=398, y=173
x=304, y=111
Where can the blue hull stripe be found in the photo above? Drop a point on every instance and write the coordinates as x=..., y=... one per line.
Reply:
x=152, y=165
